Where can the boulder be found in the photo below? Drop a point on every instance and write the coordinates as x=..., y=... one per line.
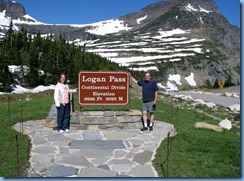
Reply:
x=235, y=107
x=208, y=126
x=226, y=124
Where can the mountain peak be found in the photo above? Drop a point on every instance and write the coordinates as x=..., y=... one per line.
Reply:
x=208, y=5
x=14, y=10
x=155, y=10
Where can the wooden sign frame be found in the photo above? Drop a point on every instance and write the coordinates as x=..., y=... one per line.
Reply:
x=98, y=88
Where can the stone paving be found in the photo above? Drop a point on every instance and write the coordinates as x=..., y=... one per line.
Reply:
x=93, y=153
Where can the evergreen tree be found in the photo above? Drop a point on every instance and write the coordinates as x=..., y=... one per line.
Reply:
x=36, y=55
x=33, y=75
x=228, y=81
x=216, y=84
x=8, y=44
x=6, y=58
x=5, y=76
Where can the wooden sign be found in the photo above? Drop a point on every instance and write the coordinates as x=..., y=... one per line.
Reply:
x=103, y=88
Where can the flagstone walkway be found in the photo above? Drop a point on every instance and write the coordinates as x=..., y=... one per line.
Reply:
x=93, y=153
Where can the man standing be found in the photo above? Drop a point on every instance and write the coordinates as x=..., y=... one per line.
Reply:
x=149, y=98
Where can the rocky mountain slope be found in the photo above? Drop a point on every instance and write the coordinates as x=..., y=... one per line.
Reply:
x=184, y=43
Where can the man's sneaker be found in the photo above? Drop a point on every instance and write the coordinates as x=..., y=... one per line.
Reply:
x=61, y=131
x=143, y=129
x=67, y=130
x=150, y=128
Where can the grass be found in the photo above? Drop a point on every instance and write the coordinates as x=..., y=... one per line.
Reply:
x=193, y=152
x=200, y=153
x=11, y=113
x=197, y=152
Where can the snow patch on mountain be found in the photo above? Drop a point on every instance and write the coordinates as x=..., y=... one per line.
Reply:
x=15, y=68
x=5, y=21
x=171, y=86
x=21, y=90
x=191, y=8
x=141, y=19
x=126, y=61
x=190, y=80
x=203, y=10
x=145, y=69
x=176, y=78
x=105, y=27
x=170, y=33
x=123, y=52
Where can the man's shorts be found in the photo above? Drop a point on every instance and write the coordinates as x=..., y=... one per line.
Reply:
x=148, y=106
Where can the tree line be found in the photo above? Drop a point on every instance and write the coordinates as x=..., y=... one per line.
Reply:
x=42, y=59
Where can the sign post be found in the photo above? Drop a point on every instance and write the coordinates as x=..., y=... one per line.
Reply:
x=103, y=88
x=221, y=85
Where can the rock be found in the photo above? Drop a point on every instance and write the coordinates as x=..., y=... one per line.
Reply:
x=210, y=105
x=96, y=172
x=143, y=171
x=62, y=171
x=143, y=157
x=236, y=95
x=228, y=94
x=51, y=119
x=226, y=124
x=97, y=144
x=97, y=119
x=208, y=126
x=28, y=98
x=235, y=107
x=53, y=111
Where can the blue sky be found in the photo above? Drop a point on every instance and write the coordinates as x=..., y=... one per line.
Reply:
x=90, y=11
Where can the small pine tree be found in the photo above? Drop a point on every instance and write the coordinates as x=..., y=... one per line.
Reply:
x=216, y=84
x=228, y=81
x=208, y=84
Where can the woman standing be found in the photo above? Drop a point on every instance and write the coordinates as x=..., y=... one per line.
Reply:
x=62, y=102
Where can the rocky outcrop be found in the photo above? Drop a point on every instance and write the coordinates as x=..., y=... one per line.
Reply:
x=98, y=119
x=208, y=126
x=15, y=10
x=66, y=31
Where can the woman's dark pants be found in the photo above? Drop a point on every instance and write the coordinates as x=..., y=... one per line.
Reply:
x=63, y=117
